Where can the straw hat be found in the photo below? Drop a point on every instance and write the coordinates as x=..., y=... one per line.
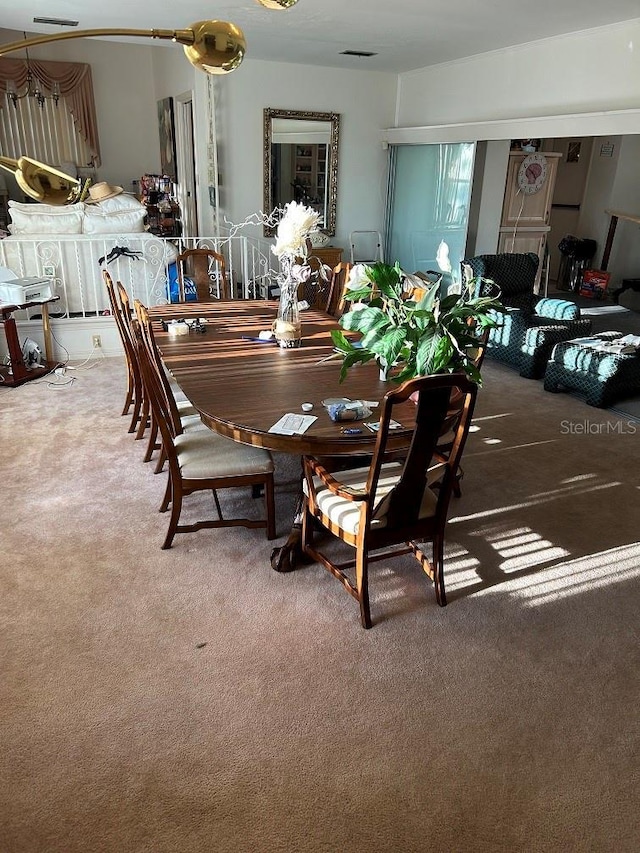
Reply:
x=102, y=191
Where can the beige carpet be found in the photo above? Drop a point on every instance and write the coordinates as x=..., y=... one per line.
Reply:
x=194, y=700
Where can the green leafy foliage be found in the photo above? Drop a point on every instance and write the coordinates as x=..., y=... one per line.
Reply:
x=432, y=335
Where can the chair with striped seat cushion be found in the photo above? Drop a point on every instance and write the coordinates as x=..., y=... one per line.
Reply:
x=393, y=504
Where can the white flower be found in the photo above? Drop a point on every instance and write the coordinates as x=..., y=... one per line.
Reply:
x=358, y=277
x=293, y=230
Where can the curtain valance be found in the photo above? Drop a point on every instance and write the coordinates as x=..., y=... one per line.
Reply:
x=75, y=85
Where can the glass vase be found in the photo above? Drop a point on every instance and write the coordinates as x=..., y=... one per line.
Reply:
x=287, y=327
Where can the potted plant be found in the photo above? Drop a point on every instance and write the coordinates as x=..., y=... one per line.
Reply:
x=410, y=337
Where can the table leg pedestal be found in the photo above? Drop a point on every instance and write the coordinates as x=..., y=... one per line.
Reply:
x=288, y=556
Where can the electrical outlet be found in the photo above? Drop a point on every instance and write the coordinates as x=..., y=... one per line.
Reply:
x=97, y=342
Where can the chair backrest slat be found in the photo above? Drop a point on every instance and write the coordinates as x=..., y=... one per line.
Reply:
x=339, y=277
x=197, y=263
x=444, y=402
x=149, y=341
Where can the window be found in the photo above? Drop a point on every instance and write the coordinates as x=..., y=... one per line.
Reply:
x=57, y=135
x=46, y=133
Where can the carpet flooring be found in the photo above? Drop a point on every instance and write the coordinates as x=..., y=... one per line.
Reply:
x=195, y=701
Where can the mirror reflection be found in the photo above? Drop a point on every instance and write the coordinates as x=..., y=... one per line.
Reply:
x=301, y=162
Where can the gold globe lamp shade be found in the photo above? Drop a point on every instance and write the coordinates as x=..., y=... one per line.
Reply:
x=42, y=182
x=277, y=4
x=216, y=47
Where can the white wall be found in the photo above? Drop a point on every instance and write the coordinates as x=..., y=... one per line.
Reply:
x=586, y=82
x=365, y=102
x=588, y=71
x=624, y=196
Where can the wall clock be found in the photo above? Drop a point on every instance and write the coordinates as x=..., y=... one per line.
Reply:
x=532, y=173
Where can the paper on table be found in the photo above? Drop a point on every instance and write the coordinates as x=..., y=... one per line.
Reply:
x=292, y=424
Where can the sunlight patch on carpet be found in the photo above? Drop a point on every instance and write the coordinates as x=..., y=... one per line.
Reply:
x=593, y=571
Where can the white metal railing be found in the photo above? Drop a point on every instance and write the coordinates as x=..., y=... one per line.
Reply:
x=75, y=265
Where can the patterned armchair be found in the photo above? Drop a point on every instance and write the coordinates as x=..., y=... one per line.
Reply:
x=532, y=325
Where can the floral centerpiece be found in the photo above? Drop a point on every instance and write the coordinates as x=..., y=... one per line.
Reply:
x=292, y=248
x=413, y=335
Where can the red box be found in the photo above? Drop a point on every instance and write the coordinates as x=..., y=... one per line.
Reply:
x=594, y=283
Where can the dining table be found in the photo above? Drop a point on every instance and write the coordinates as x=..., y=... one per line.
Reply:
x=242, y=383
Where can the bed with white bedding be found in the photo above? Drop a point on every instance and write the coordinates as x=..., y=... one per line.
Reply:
x=73, y=244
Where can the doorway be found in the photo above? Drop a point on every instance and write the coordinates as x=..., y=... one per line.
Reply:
x=428, y=211
x=186, y=166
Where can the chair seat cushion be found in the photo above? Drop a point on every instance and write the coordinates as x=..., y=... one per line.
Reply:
x=186, y=408
x=203, y=454
x=346, y=514
x=192, y=422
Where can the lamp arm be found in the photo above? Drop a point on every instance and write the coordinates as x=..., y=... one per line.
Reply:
x=186, y=37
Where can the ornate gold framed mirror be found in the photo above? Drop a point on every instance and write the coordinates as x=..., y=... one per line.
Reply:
x=301, y=162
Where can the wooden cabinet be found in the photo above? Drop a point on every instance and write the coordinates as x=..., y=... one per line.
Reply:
x=523, y=240
x=329, y=255
x=524, y=224
x=527, y=211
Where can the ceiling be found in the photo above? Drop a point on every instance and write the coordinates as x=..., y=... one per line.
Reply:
x=405, y=34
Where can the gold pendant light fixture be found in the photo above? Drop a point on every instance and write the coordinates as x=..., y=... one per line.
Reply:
x=42, y=182
x=216, y=47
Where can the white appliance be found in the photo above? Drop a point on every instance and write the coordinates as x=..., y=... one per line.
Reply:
x=19, y=291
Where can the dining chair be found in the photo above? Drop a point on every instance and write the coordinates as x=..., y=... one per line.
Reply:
x=338, y=285
x=201, y=460
x=183, y=415
x=135, y=392
x=207, y=269
x=392, y=504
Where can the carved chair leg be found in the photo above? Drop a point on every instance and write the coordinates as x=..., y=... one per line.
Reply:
x=144, y=418
x=362, y=586
x=166, y=500
x=438, y=569
x=176, y=508
x=128, y=400
x=160, y=463
x=152, y=443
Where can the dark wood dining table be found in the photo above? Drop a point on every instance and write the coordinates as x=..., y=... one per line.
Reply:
x=241, y=387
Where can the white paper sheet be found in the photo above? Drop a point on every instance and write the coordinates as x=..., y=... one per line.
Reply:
x=293, y=424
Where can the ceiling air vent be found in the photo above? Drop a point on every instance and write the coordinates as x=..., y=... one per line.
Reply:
x=357, y=53
x=57, y=22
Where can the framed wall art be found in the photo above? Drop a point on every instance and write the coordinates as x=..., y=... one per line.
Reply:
x=167, y=138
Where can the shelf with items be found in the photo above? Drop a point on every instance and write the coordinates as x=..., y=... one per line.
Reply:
x=157, y=193
x=309, y=169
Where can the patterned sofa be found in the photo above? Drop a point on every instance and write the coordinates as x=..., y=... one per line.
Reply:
x=532, y=326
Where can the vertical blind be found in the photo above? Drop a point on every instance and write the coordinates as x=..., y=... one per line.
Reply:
x=58, y=135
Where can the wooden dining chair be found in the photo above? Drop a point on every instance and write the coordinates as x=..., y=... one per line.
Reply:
x=208, y=271
x=183, y=415
x=202, y=460
x=392, y=504
x=135, y=391
x=335, y=304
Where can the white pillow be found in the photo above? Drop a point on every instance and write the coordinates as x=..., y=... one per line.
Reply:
x=54, y=220
x=124, y=222
x=38, y=207
x=116, y=204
